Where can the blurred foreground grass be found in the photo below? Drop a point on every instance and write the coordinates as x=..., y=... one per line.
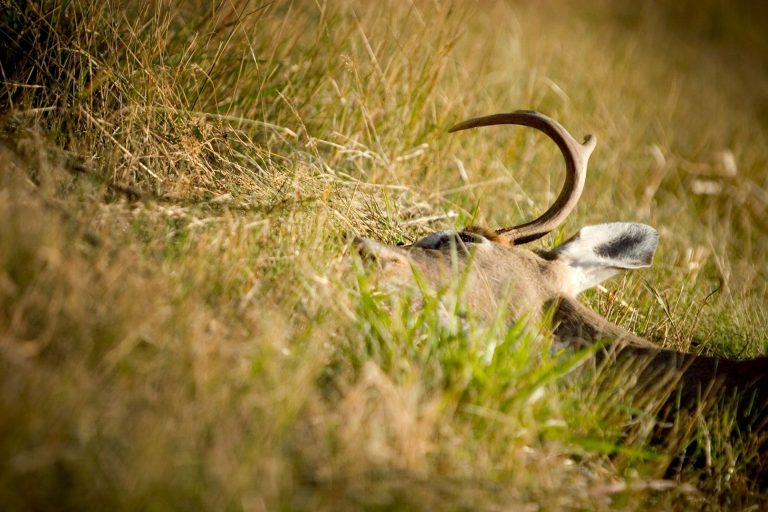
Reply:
x=181, y=325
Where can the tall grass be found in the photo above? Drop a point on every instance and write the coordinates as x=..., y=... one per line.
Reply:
x=182, y=325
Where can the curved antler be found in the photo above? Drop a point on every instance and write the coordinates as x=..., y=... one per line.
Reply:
x=576, y=156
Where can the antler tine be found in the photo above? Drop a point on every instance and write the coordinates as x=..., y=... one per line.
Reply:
x=576, y=157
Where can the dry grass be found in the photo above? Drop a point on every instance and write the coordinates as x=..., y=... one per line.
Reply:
x=181, y=326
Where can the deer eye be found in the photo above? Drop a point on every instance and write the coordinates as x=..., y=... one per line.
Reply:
x=472, y=238
x=435, y=240
x=444, y=239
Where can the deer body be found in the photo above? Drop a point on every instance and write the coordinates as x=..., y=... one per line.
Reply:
x=495, y=272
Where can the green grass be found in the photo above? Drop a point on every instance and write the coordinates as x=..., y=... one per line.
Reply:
x=182, y=325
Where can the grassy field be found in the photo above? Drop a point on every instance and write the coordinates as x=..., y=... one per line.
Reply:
x=182, y=325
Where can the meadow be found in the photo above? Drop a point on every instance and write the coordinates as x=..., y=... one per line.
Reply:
x=183, y=323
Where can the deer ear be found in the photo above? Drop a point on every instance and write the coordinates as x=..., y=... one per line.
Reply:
x=602, y=251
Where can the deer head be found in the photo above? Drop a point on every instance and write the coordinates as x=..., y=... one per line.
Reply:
x=496, y=269
x=496, y=272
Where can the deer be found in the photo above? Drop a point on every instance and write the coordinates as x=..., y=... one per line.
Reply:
x=497, y=272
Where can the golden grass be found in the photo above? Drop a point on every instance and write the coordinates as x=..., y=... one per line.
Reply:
x=181, y=325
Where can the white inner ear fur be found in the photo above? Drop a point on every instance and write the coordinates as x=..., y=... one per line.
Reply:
x=598, y=252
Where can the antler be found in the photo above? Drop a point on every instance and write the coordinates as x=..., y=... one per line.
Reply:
x=576, y=156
